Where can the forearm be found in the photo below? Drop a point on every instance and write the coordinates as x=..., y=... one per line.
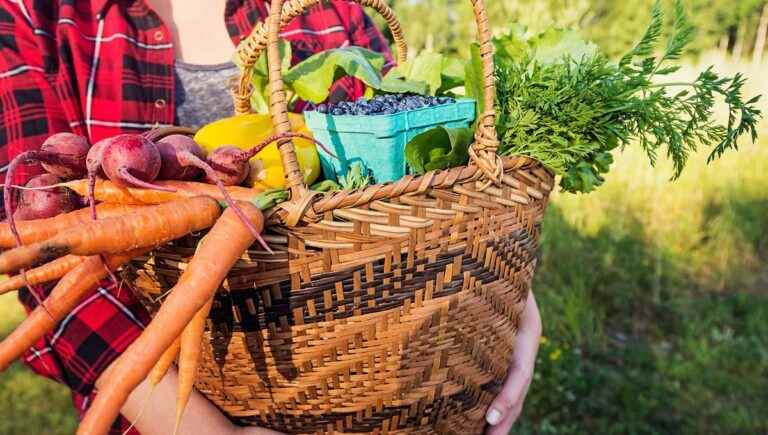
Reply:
x=529, y=334
x=153, y=412
x=508, y=405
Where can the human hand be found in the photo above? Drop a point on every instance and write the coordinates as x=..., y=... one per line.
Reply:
x=508, y=405
x=153, y=411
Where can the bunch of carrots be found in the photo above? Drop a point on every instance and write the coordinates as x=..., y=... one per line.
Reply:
x=78, y=250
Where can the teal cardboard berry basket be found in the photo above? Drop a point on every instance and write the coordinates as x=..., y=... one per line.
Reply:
x=378, y=141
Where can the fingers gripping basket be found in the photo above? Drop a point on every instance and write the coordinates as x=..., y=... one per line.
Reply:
x=391, y=309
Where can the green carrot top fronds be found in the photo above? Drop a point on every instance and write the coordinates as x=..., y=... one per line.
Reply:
x=570, y=112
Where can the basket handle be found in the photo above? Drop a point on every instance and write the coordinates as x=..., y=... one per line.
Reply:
x=250, y=49
x=267, y=36
x=482, y=151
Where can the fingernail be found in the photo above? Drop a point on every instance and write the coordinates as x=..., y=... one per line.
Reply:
x=493, y=417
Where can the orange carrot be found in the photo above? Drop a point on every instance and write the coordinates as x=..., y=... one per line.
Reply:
x=107, y=191
x=162, y=366
x=217, y=253
x=189, y=359
x=41, y=229
x=147, y=227
x=69, y=291
x=45, y=273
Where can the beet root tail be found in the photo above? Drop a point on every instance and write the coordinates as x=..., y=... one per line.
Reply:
x=289, y=134
x=27, y=157
x=189, y=159
x=128, y=178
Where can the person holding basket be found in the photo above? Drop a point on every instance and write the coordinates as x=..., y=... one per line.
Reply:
x=99, y=68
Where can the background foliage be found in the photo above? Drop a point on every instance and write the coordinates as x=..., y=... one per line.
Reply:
x=731, y=26
x=653, y=294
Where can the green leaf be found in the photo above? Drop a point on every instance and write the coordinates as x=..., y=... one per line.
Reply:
x=357, y=177
x=396, y=85
x=513, y=45
x=554, y=45
x=473, y=85
x=548, y=47
x=453, y=74
x=270, y=198
x=326, y=186
x=311, y=79
x=603, y=162
x=260, y=95
x=438, y=148
x=260, y=77
x=426, y=67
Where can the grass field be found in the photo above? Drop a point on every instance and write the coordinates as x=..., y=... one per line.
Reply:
x=30, y=404
x=655, y=304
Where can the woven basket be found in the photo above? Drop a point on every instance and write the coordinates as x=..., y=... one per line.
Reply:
x=392, y=309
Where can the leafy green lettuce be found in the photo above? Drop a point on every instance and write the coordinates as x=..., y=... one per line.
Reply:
x=438, y=148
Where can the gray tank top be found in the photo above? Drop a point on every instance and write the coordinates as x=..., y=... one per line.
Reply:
x=203, y=92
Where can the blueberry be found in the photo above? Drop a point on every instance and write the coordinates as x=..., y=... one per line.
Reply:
x=322, y=108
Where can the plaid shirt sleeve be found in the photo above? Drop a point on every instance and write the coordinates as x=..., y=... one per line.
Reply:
x=83, y=345
x=106, y=321
x=29, y=108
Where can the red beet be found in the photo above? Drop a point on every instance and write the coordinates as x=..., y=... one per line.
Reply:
x=35, y=204
x=127, y=160
x=174, y=166
x=183, y=158
x=41, y=204
x=230, y=164
x=131, y=160
x=93, y=158
x=64, y=154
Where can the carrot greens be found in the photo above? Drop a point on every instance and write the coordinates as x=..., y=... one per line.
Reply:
x=562, y=102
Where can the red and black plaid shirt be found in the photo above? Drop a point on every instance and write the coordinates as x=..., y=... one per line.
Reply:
x=104, y=67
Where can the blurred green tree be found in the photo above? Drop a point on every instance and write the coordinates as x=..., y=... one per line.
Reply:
x=738, y=27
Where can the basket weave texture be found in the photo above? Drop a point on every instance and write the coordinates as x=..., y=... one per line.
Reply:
x=391, y=309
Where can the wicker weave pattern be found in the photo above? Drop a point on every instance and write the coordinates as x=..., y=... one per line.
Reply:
x=391, y=309
x=396, y=316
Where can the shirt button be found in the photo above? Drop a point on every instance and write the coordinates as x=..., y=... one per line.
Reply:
x=160, y=103
x=159, y=35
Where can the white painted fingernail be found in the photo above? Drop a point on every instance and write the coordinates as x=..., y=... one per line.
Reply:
x=493, y=417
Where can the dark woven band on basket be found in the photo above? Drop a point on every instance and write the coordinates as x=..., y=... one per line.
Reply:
x=361, y=290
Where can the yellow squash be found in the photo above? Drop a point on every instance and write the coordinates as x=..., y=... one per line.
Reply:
x=245, y=131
